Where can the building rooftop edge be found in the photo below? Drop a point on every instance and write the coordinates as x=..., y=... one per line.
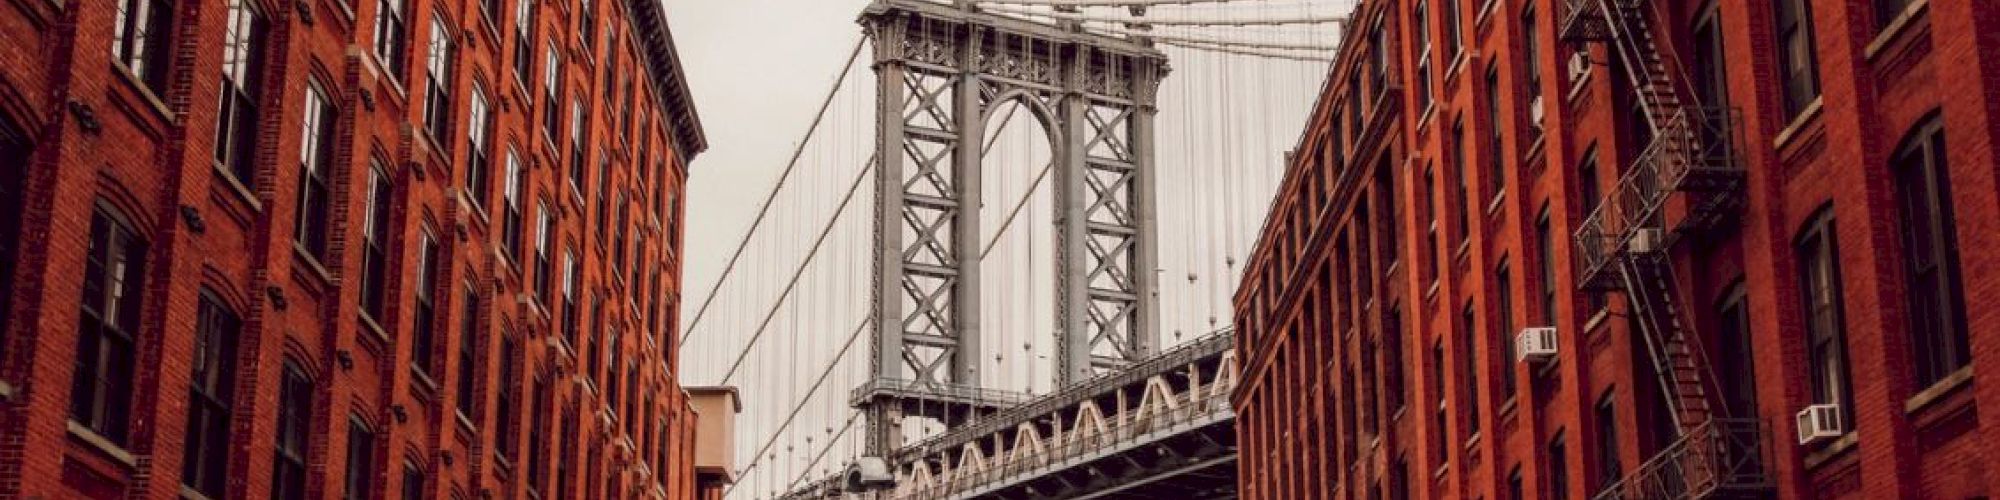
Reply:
x=669, y=80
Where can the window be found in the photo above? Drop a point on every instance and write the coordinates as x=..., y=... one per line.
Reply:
x=1454, y=33
x=1496, y=141
x=1711, y=74
x=1531, y=48
x=315, y=183
x=544, y=224
x=1440, y=445
x=1887, y=10
x=1430, y=208
x=538, y=449
x=1797, y=57
x=101, y=397
x=603, y=189
x=211, y=397
x=1545, y=244
x=1468, y=353
x=1503, y=293
x=1392, y=349
x=1399, y=479
x=392, y=38
x=1388, y=230
x=13, y=200
x=1930, y=255
x=360, y=459
x=413, y=481
x=610, y=349
x=566, y=452
x=586, y=25
x=375, y=246
x=423, y=332
x=503, y=405
x=479, y=159
x=1378, y=63
x=142, y=39
x=576, y=153
x=552, y=88
x=468, y=351
x=295, y=410
x=570, y=306
x=510, y=221
x=524, y=48
x=1819, y=275
x=242, y=68
x=1736, y=369
x=1464, y=179
x=1558, y=457
x=1606, y=416
x=618, y=262
x=437, y=87
x=1514, y=491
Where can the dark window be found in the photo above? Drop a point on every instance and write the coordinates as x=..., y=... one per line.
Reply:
x=1399, y=480
x=242, y=66
x=504, y=408
x=1464, y=179
x=603, y=192
x=586, y=25
x=437, y=84
x=566, y=452
x=315, y=182
x=524, y=46
x=101, y=397
x=468, y=352
x=13, y=206
x=1514, y=491
x=552, y=88
x=1454, y=34
x=1710, y=68
x=538, y=449
x=1930, y=255
x=479, y=159
x=1797, y=57
x=375, y=246
x=571, y=309
x=544, y=224
x=143, y=39
x=1608, y=464
x=1819, y=275
x=423, y=328
x=1385, y=189
x=1503, y=293
x=1531, y=48
x=578, y=115
x=392, y=38
x=1392, y=350
x=1887, y=10
x=1558, y=468
x=1430, y=208
x=1440, y=445
x=1737, y=370
x=211, y=397
x=1378, y=64
x=360, y=460
x=413, y=481
x=1545, y=244
x=295, y=410
x=510, y=220
x=1468, y=353
x=1496, y=166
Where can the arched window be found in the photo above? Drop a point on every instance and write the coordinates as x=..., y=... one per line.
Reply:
x=1938, y=342
x=1819, y=280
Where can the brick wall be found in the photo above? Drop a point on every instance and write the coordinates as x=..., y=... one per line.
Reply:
x=93, y=135
x=1316, y=313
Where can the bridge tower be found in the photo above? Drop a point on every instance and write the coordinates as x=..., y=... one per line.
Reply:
x=941, y=70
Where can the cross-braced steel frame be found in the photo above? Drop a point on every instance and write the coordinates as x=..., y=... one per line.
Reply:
x=942, y=70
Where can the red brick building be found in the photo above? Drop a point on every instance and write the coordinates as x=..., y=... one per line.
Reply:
x=1729, y=212
x=342, y=249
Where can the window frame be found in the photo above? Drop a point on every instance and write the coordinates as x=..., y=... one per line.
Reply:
x=211, y=396
x=1939, y=334
x=1820, y=301
x=108, y=342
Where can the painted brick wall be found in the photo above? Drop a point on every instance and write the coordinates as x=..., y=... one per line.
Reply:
x=95, y=136
x=1339, y=342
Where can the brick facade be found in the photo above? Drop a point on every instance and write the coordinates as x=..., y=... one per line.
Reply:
x=88, y=136
x=1378, y=275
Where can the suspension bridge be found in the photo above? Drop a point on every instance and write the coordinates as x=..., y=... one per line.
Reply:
x=1032, y=212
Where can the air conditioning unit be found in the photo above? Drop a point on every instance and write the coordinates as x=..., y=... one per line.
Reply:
x=1535, y=344
x=1820, y=422
x=1579, y=65
x=1648, y=240
x=1536, y=113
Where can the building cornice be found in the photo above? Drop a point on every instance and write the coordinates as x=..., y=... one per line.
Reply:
x=669, y=80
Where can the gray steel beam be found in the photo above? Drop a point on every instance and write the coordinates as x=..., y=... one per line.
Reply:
x=886, y=359
x=1072, y=285
x=971, y=155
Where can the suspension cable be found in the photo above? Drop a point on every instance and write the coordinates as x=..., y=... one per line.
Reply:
x=792, y=284
x=1172, y=21
x=1288, y=56
x=757, y=458
x=765, y=210
x=851, y=418
x=1248, y=44
x=1107, y=3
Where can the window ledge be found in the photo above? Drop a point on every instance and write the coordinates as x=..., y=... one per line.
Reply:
x=375, y=332
x=1473, y=442
x=1894, y=30
x=312, y=264
x=236, y=187
x=1937, y=391
x=1493, y=207
x=427, y=387
x=100, y=444
x=187, y=493
x=165, y=114
x=1833, y=450
x=1798, y=123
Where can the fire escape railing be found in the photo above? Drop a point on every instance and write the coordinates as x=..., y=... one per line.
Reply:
x=1723, y=457
x=1693, y=152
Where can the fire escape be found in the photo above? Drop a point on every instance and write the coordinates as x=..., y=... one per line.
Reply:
x=1686, y=184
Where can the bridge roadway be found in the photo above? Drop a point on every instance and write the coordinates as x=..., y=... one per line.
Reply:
x=1161, y=428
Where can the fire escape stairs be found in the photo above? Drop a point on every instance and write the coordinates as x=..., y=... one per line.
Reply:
x=1625, y=244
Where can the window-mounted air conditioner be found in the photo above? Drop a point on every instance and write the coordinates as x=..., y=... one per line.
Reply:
x=1535, y=344
x=1579, y=65
x=1820, y=422
x=1536, y=113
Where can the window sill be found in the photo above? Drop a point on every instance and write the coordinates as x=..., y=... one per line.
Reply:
x=138, y=85
x=1895, y=29
x=1493, y=206
x=312, y=264
x=100, y=444
x=426, y=387
x=1798, y=123
x=236, y=187
x=1473, y=442
x=376, y=333
x=1937, y=392
x=187, y=493
x=1833, y=450
x=1485, y=13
